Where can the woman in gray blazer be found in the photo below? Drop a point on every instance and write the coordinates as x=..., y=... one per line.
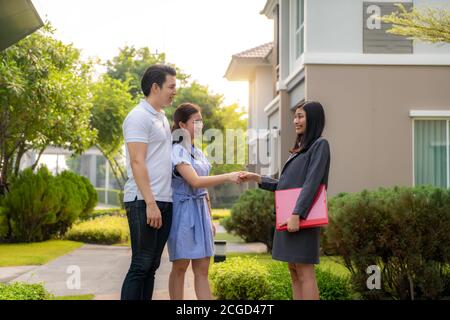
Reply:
x=306, y=168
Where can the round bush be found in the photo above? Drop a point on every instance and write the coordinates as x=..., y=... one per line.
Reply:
x=239, y=279
x=248, y=279
x=32, y=205
x=252, y=217
x=404, y=231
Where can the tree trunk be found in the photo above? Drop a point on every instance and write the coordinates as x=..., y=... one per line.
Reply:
x=38, y=158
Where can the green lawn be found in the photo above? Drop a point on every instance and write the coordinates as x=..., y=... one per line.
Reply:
x=38, y=253
x=228, y=237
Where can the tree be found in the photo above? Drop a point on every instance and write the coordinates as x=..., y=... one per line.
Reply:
x=111, y=102
x=429, y=25
x=130, y=64
x=200, y=95
x=43, y=100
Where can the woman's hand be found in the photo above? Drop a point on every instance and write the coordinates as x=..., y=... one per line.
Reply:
x=234, y=177
x=292, y=223
x=250, y=176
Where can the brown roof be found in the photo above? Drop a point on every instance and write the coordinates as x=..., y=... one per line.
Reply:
x=261, y=51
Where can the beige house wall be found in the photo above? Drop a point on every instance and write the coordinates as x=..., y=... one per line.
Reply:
x=368, y=123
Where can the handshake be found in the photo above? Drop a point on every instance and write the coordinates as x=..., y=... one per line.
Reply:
x=244, y=176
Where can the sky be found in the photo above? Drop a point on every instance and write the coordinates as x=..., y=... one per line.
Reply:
x=199, y=36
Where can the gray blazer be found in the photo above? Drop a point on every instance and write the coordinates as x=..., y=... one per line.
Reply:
x=308, y=170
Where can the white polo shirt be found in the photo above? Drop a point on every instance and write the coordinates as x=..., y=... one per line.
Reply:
x=145, y=124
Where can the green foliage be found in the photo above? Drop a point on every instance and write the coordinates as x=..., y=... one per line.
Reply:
x=333, y=287
x=101, y=230
x=246, y=278
x=111, y=102
x=3, y=224
x=252, y=217
x=32, y=204
x=220, y=213
x=105, y=212
x=280, y=287
x=239, y=279
x=40, y=206
x=130, y=64
x=427, y=24
x=404, y=231
x=44, y=89
x=24, y=291
x=92, y=196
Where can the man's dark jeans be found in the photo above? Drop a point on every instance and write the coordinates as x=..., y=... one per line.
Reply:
x=147, y=245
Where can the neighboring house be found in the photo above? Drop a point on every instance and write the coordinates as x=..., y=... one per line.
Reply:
x=255, y=66
x=386, y=98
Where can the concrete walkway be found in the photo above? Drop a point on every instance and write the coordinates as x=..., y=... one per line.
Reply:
x=102, y=270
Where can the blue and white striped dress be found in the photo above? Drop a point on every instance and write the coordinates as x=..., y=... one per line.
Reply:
x=191, y=232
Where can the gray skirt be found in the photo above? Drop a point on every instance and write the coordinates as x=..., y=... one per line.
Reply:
x=297, y=247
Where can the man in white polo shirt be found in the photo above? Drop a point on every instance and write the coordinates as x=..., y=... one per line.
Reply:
x=148, y=192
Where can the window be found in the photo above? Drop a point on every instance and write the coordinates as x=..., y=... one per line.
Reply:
x=297, y=30
x=431, y=152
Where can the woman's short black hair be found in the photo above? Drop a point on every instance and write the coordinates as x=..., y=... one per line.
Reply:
x=315, y=123
x=155, y=74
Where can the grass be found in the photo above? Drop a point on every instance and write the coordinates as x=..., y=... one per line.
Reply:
x=335, y=265
x=228, y=237
x=38, y=253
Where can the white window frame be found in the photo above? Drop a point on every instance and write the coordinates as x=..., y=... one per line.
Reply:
x=294, y=60
x=439, y=115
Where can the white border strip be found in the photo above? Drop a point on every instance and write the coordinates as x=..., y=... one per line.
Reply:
x=377, y=59
x=429, y=113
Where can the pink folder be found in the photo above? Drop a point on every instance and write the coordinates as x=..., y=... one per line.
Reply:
x=285, y=203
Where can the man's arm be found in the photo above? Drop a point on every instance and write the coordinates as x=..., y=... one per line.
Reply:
x=137, y=152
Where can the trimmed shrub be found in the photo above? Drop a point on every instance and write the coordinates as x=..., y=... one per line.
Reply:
x=103, y=213
x=92, y=197
x=101, y=230
x=279, y=279
x=252, y=217
x=239, y=279
x=218, y=214
x=24, y=291
x=3, y=224
x=248, y=279
x=404, y=231
x=32, y=204
x=40, y=206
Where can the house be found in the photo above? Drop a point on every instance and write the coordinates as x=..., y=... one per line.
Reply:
x=18, y=19
x=386, y=98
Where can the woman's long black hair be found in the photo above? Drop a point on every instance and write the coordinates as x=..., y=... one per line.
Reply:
x=315, y=123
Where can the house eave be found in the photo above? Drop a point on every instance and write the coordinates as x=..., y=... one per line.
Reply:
x=269, y=9
x=241, y=69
